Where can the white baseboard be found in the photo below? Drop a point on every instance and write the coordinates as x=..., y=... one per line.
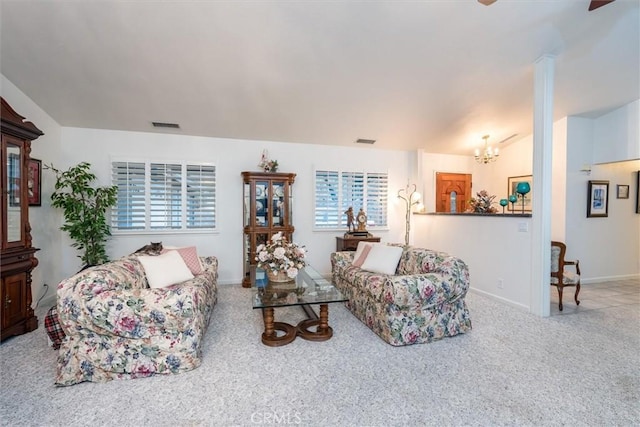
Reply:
x=586, y=281
x=501, y=299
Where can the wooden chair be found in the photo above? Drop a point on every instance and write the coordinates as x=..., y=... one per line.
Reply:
x=560, y=277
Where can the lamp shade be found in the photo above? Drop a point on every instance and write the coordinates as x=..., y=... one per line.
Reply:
x=523, y=188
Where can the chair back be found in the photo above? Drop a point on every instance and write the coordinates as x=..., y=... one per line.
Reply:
x=558, y=250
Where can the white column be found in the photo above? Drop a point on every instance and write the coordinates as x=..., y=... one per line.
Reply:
x=542, y=167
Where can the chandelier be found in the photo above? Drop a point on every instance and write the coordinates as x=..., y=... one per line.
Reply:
x=488, y=155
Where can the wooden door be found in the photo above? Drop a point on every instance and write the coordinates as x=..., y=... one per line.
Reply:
x=453, y=191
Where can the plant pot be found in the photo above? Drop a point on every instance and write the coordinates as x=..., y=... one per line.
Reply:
x=279, y=277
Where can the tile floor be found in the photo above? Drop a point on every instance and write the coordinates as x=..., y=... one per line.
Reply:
x=594, y=296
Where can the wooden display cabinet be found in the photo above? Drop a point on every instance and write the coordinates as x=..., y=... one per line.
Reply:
x=17, y=258
x=267, y=203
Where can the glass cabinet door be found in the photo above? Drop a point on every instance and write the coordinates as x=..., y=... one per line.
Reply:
x=262, y=203
x=14, y=201
x=247, y=204
x=277, y=201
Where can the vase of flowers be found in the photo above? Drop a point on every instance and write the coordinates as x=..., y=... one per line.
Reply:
x=267, y=164
x=482, y=203
x=281, y=259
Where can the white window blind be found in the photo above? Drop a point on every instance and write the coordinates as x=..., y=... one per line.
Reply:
x=163, y=196
x=377, y=199
x=327, y=199
x=201, y=196
x=336, y=191
x=165, y=207
x=130, y=211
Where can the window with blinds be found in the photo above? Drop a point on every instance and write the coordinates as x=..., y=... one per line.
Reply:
x=163, y=196
x=336, y=191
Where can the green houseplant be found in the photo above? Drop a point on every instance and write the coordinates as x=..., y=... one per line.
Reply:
x=84, y=210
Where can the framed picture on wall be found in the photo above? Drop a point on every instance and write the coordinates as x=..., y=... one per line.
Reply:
x=622, y=191
x=34, y=182
x=638, y=192
x=598, y=199
x=512, y=184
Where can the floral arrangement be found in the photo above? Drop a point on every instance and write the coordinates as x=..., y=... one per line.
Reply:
x=266, y=164
x=280, y=255
x=482, y=203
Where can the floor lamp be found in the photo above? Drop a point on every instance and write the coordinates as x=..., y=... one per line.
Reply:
x=410, y=197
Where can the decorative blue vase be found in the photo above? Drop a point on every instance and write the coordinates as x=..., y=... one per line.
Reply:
x=503, y=203
x=523, y=188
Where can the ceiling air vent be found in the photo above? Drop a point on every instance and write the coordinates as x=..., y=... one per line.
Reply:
x=165, y=125
x=365, y=141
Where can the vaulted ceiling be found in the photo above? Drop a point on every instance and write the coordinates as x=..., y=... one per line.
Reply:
x=432, y=75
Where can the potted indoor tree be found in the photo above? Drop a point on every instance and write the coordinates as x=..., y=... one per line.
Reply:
x=84, y=210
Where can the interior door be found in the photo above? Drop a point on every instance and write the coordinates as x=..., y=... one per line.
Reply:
x=453, y=191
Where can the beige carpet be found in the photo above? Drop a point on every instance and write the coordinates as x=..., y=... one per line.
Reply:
x=513, y=369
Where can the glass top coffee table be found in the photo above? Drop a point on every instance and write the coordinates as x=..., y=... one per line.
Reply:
x=309, y=287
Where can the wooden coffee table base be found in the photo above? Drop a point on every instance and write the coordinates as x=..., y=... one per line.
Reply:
x=323, y=331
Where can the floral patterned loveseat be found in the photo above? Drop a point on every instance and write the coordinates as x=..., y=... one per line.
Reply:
x=116, y=326
x=422, y=302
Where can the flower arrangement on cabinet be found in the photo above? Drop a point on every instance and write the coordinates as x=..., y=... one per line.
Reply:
x=280, y=255
x=266, y=164
x=482, y=203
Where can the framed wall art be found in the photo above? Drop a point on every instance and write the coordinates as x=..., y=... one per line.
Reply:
x=638, y=192
x=34, y=182
x=598, y=199
x=622, y=191
x=512, y=184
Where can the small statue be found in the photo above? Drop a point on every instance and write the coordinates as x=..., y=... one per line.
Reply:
x=350, y=223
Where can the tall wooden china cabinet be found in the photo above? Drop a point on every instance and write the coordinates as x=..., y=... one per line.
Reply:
x=17, y=258
x=267, y=210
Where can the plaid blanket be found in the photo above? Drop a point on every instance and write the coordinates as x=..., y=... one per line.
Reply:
x=52, y=326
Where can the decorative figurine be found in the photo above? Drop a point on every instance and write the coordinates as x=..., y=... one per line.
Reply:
x=350, y=224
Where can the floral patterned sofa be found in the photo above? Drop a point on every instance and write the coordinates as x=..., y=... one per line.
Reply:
x=422, y=302
x=116, y=326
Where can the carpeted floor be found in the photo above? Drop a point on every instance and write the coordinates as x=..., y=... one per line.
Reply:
x=513, y=369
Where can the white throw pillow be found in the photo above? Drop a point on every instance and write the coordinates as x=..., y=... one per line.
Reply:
x=383, y=259
x=190, y=256
x=358, y=255
x=165, y=269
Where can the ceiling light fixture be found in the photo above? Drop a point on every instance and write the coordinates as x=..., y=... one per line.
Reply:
x=488, y=155
x=365, y=141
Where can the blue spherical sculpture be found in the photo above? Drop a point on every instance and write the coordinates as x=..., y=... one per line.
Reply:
x=513, y=198
x=523, y=188
x=503, y=203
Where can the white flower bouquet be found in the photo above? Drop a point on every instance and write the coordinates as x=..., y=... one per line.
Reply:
x=281, y=256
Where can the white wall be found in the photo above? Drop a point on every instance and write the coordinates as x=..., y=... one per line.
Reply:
x=617, y=135
x=45, y=222
x=231, y=158
x=608, y=248
x=492, y=247
x=559, y=181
